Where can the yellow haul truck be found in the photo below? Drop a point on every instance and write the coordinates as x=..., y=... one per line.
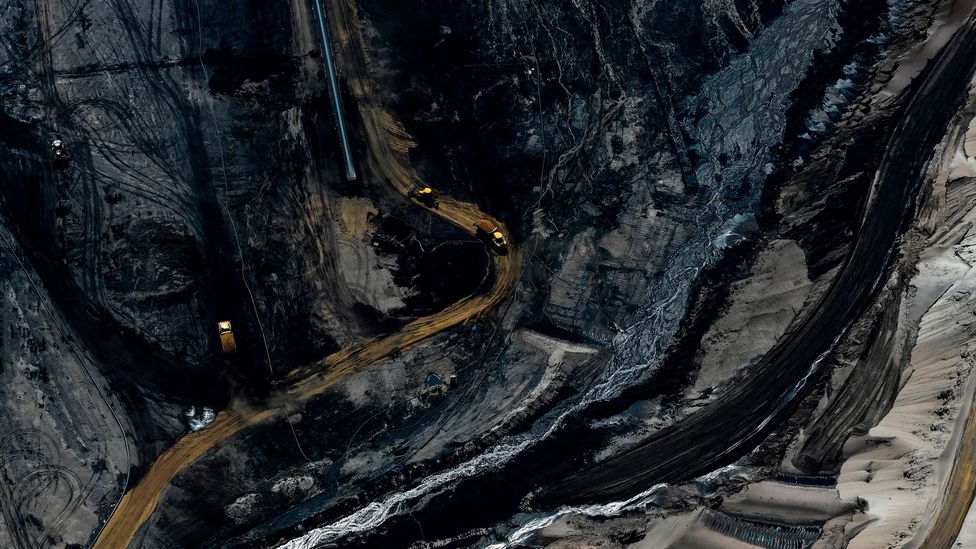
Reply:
x=491, y=234
x=226, y=332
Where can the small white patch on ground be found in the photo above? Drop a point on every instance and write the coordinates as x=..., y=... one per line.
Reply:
x=242, y=508
x=290, y=486
x=198, y=418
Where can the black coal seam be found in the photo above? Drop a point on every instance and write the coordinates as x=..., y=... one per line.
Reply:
x=868, y=385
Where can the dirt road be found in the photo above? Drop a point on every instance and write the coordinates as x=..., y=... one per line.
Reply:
x=957, y=495
x=388, y=146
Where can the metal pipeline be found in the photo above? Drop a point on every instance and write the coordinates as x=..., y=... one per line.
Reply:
x=330, y=70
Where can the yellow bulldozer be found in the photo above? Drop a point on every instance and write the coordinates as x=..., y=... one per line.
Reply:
x=425, y=195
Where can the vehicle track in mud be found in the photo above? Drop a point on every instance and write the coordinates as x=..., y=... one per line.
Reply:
x=28, y=463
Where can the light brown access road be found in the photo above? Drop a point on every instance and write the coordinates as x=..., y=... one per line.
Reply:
x=388, y=145
x=958, y=491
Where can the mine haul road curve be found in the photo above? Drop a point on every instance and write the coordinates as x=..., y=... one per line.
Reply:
x=956, y=494
x=388, y=145
x=737, y=421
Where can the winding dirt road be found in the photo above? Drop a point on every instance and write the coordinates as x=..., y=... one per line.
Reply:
x=957, y=495
x=388, y=145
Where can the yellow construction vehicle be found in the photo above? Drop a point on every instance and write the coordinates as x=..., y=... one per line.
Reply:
x=226, y=332
x=490, y=233
x=425, y=195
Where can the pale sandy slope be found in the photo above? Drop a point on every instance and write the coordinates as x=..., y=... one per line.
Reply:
x=899, y=466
